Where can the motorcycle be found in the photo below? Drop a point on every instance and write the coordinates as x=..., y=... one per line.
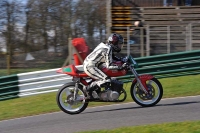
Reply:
x=72, y=98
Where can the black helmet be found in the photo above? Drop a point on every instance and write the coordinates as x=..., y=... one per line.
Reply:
x=114, y=40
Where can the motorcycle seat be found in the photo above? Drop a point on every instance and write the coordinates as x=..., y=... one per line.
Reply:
x=79, y=71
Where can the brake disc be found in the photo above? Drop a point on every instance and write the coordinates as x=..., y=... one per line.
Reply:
x=150, y=95
x=70, y=99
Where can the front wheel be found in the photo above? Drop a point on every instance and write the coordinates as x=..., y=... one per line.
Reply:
x=155, y=93
x=67, y=103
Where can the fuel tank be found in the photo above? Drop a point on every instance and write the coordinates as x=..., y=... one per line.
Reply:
x=113, y=73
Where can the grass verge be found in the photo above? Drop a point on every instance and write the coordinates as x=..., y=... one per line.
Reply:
x=175, y=127
x=46, y=103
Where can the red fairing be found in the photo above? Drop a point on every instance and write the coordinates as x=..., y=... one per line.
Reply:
x=59, y=70
x=72, y=70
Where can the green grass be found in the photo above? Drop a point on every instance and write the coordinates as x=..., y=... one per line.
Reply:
x=175, y=127
x=44, y=103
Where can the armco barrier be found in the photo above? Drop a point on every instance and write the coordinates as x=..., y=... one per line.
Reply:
x=170, y=65
x=161, y=66
x=32, y=83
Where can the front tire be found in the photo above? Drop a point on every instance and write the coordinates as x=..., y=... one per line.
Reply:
x=65, y=99
x=154, y=96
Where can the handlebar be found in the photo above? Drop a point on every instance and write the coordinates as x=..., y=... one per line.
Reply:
x=130, y=59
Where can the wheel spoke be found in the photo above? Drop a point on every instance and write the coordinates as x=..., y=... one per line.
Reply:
x=69, y=107
x=68, y=92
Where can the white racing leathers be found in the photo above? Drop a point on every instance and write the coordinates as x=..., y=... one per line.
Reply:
x=101, y=54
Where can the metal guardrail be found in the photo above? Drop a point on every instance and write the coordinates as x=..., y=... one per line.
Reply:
x=32, y=83
x=39, y=82
x=168, y=65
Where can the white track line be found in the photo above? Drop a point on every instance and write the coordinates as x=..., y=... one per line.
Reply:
x=99, y=107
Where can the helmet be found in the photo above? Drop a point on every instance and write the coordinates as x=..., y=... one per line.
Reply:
x=114, y=40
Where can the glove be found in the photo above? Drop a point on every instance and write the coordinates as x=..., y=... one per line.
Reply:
x=124, y=59
x=123, y=66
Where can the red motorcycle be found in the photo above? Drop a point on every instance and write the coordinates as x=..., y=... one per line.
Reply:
x=72, y=98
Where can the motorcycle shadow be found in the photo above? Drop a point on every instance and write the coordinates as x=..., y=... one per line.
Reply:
x=139, y=107
x=108, y=110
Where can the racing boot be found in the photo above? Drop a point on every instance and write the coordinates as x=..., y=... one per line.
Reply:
x=96, y=86
x=91, y=89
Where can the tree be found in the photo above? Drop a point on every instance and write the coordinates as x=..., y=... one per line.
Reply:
x=10, y=14
x=62, y=18
x=91, y=19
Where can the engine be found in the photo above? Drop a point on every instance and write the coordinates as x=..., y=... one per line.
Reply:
x=113, y=93
x=109, y=95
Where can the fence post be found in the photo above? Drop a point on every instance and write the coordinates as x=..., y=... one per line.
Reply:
x=142, y=42
x=147, y=41
x=8, y=63
x=128, y=41
x=190, y=36
x=168, y=39
x=108, y=17
x=69, y=58
x=186, y=38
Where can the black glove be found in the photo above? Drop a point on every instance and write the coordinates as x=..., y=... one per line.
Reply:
x=123, y=66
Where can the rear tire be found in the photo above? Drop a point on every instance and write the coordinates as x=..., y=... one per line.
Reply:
x=155, y=93
x=65, y=99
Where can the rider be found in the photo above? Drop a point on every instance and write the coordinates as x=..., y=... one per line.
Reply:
x=103, y=53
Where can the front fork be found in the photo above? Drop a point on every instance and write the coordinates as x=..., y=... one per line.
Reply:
x=138, y=80
x=76, y=90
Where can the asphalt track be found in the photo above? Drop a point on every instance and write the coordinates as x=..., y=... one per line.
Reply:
x=107, y=117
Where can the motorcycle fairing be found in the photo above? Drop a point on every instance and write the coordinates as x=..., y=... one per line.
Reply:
x=72, y=70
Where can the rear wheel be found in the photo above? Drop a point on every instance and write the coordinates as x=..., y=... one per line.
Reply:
x=67, y=103
x=155, y=93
